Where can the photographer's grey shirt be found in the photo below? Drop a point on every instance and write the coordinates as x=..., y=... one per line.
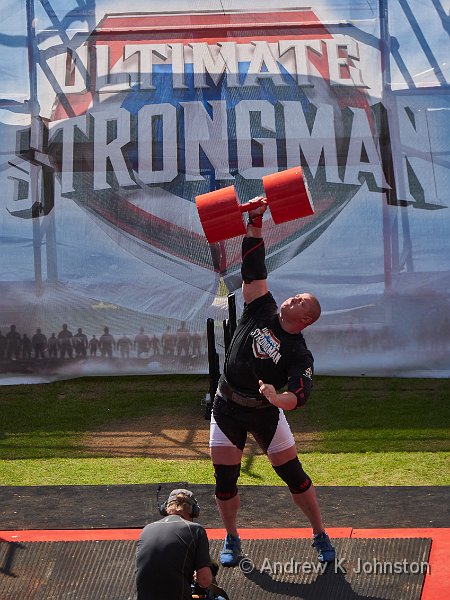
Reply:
x=168, y=553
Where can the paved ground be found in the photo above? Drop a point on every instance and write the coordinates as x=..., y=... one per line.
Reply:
x=43, y=528
x=127, y=506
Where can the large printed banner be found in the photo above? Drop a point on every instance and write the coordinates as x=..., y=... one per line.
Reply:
x=115, y=116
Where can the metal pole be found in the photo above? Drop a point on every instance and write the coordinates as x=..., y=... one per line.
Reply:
x=35, y=128
x=389, y=139
x=232, y=313
x=213, y=367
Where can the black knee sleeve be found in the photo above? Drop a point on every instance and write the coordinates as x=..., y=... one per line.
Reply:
x=294, y=476
x=226, y=477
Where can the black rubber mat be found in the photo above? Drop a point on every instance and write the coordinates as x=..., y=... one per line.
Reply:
x=96, y=506
x=270, y=569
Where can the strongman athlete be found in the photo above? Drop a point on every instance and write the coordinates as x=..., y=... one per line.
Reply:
x=267, y=353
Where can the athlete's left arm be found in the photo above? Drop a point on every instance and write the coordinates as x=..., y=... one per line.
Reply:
x=285, y=400
x=299, y=388
x=300, y=384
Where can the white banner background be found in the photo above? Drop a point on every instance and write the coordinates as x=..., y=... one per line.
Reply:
x=128, y=254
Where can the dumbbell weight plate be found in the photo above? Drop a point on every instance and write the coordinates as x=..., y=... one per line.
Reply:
x=220, y=215
x=287, y=195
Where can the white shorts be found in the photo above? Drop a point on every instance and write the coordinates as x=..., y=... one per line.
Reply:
x=269, y=428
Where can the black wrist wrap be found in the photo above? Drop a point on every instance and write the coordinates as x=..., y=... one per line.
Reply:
x=253, y=259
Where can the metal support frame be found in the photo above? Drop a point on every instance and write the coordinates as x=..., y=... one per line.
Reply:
x=389, y=138
x=41, y=175
x=398, y=246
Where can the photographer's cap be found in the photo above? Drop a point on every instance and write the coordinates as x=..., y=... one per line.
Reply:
x=189, y=495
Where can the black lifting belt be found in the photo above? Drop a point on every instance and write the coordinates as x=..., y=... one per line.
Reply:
x=253, y=259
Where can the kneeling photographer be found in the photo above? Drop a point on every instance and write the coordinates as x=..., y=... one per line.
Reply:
x=172, y=556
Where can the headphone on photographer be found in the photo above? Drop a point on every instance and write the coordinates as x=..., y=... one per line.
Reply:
x=189, y=499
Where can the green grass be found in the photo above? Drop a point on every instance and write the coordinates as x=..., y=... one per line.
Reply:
x=387, y=468
x=353, y=431
x=46, y=421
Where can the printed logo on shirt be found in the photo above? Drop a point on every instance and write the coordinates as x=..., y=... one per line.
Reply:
x=266, y=344
x=308, y=373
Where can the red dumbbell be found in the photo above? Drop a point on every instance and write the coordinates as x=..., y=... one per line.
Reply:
x=287, y=196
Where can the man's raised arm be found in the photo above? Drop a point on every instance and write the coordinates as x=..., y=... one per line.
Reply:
x=253, y=270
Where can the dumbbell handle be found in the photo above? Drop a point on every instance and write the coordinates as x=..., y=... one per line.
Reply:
x=252, y=205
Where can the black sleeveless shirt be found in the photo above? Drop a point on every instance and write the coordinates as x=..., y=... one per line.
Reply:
x=261, y=349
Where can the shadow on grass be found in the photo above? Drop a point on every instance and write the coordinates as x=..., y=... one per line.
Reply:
x=162, y=417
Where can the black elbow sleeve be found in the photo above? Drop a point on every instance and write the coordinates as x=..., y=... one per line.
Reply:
x=301, y=387
x=253, y=259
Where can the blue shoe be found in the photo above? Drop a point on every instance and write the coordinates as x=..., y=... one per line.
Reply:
x=231, y=551
x=326, y=552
